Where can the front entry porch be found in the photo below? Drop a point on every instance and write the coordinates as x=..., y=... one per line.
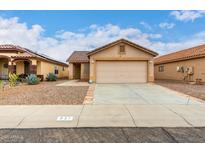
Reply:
x=4, y=68
x=23, y=66
x=79, y=71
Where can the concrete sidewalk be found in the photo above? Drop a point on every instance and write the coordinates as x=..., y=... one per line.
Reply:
x=44, y=116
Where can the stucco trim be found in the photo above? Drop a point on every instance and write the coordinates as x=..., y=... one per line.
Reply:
x=7, y=57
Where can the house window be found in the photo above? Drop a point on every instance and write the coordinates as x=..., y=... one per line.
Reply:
x=161, y=69
x=63, y=68
x=6, y=65
x=56, y=70
x=122, y=49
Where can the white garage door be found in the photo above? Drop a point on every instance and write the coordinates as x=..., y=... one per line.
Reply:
x=121, y=72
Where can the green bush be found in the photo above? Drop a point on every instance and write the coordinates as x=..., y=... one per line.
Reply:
x=1, y=84
x=32, y=79
x=13, y=79
x=22, y=78
x=51, y=77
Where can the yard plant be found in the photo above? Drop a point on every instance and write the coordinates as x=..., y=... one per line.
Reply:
x=13, y=79
x=1, y=84
x=51, y=77
x=22, y=77
x=32, y=79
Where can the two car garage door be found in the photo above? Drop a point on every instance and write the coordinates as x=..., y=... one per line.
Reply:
x=121, y=72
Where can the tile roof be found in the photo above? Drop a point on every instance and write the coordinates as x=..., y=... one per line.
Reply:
x=78, y=56
x=11, y=47
x=46, y=57
x=194, y=52
x=24, y=55
x=28, y=53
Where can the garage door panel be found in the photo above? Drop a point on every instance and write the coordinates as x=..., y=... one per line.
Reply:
x=121, y=72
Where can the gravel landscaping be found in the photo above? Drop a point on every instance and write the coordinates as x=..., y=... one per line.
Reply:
x=189, y=89
x=43, y=94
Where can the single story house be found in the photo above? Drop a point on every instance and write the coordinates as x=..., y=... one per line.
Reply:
x=185, y=65
x=121, y=61
x=19, y=60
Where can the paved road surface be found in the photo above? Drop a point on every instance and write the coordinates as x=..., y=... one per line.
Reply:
x=101, y=135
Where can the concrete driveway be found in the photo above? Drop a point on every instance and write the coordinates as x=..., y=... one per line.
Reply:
x=139, y=94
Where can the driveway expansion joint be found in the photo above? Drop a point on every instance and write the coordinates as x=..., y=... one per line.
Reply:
x=179, y=115
x=130, y=115
x=80, y=115
x=25, y=117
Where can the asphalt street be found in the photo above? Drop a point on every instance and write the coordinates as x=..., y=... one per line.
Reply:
x=103, y=135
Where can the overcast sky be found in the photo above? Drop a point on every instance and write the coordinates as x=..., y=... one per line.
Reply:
x=59, y=33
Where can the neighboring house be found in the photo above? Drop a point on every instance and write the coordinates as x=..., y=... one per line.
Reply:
x=121, y=61
x=19, y=60
x=187, y=65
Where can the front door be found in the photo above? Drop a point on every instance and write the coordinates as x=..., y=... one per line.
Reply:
x=77, y=70
x=3, y=69
x=26, y=67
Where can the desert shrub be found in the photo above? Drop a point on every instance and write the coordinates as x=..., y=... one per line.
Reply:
x=13, y=79
x=22, y=77
x=32, y=79
x=41, y=77
x=1, y=84
x=51, y=77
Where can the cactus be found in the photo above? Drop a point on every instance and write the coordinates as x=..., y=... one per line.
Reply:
x=51, y=77
x=32, y=79
x=13, y=79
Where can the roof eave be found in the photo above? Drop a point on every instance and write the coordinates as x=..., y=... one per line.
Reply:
x=45, y=58
x=78, y=61
x=179, y=59
x=122, y=41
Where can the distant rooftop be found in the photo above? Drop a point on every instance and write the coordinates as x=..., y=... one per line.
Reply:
x=29, y=53
x=194, y=52
x=78, y=56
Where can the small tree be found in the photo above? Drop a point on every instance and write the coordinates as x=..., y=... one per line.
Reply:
x=13, y=79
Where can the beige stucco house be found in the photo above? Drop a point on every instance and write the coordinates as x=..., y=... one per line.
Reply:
x=185, y=65
x=19, y=60
x=121, y=61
